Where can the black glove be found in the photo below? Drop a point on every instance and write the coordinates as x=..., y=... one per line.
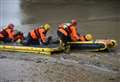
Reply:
x=49, y=39
x=45, y=43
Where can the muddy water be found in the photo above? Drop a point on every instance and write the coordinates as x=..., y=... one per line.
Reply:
x=100, y=18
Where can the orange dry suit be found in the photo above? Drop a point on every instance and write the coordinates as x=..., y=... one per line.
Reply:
x=36, y=37
x=63, y=34
x=39, y=33
x=73, y=33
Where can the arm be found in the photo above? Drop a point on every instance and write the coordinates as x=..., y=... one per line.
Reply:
x=42, y=36
x=74, y=34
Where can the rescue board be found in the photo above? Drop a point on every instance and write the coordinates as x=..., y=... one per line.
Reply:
x=94, y=45
x=30, y=49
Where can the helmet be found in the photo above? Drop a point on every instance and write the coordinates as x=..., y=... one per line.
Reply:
x=74, y=22
x=68, y=24
x=46, y=26
x=89, y=37
x=11, y=26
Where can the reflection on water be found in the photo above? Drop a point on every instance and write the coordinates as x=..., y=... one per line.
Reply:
x=101, y=18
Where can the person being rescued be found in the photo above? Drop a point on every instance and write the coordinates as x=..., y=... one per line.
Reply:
x=38, y=36
x=8, y=34
x=68, y=32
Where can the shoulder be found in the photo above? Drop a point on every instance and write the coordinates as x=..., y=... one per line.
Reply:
x=41, y=30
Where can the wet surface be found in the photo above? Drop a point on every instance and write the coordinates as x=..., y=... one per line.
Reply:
x=76, y=66
x=101, y=18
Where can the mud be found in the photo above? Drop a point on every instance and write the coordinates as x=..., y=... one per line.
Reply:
x=73, y=67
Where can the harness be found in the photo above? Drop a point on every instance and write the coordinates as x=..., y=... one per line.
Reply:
x=37, y=33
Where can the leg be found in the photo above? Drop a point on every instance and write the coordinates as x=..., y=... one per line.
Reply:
x=7, y=40
x=62, y=37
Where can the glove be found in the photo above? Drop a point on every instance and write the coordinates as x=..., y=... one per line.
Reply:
x=45, y=43
x=49, y=39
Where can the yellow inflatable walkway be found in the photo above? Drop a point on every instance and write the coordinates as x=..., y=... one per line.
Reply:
x=26, y=49
x=94, y=45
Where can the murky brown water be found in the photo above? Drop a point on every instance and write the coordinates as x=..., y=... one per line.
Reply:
x=99, y=17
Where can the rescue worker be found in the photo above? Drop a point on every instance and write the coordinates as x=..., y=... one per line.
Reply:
x=38, y=36
x=63, y=33
x=7, y=34
x=75, y=36
x=68, y=32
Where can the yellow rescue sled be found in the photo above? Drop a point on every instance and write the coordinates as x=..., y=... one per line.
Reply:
x=30, y=49
x=94, y=45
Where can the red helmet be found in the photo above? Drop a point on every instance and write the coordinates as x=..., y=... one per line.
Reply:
x=74, y=22
x=11, y=26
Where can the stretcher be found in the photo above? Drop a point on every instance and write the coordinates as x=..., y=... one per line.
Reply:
x=93, y=45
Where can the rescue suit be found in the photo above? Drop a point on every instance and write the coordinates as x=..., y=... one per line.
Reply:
x=68, y=32
x=38, y=36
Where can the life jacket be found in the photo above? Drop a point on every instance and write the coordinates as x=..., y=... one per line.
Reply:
x=10, y=33
x=7, y=33
x=38, y=33
x=63, y=31
x=73, y=33
x=68, y=30
x=3, y=33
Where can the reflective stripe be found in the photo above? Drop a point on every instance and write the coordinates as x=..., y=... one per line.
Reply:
x=33, y=35
x=63, y=31
x=36, y=32
x=42, y=33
